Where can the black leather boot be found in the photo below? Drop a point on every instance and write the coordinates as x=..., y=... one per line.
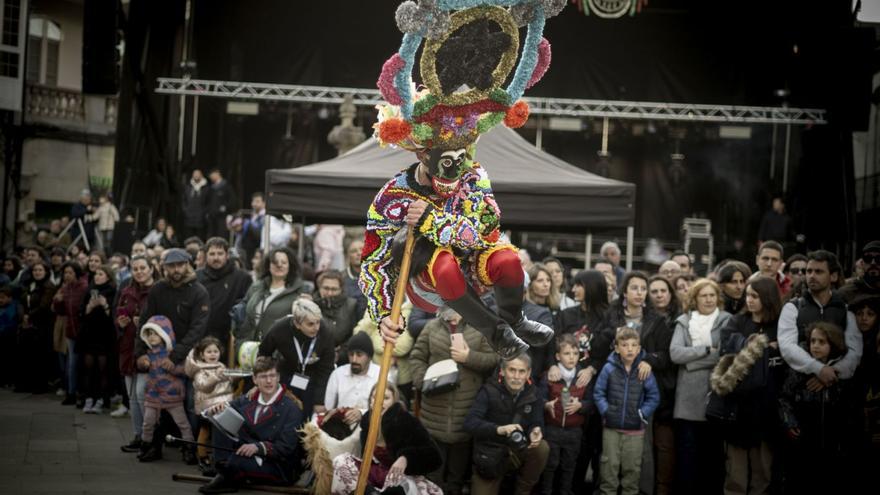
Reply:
x=150, y=453
x=497, y=331
x=188, y=453
x=510, y=300
x=220, y=484
x=133, y=446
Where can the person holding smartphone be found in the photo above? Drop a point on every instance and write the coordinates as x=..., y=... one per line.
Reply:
x=443, y=338
x=97, y=340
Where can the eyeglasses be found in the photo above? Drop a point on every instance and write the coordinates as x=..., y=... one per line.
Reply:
x=798, y=271
x=871, y=259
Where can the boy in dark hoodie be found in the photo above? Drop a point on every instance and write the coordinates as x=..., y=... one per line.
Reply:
x=625, y=404
x=165, y=389
x=564, y=414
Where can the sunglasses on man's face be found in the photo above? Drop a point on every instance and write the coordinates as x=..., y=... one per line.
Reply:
x=798, y=271
x=871, y=259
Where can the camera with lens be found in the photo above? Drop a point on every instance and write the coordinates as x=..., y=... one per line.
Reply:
x=517, y=440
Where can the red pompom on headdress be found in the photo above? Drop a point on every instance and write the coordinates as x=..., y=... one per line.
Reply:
x=517, y=115
x=394, y=130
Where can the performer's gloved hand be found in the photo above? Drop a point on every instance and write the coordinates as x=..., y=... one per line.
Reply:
x=390, y=330
x=415, y=212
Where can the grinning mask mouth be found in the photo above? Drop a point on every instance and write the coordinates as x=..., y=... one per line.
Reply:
x=445, y=168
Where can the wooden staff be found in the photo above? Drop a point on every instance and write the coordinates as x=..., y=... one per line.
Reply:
x=376, y=410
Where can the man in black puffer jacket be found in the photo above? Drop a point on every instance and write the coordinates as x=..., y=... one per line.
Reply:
x=184, y=301
x=226, y=285
x=507, y=422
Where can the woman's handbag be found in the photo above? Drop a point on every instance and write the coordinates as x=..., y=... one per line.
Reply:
x=440, y=377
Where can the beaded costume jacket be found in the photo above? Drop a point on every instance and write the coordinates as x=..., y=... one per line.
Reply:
x=467, y=223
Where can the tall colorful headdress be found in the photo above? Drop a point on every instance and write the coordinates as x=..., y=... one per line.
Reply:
x=470, y=50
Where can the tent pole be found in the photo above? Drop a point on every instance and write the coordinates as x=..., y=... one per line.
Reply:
x=267, y=226
x=301, y=241
x=773, y=154
x=539, y=135
x=630, y=234
x=588, y=250
x=785, y=159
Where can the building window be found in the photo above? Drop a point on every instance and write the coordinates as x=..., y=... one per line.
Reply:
x=11, y=19
x=8, y=64
x=44, y=43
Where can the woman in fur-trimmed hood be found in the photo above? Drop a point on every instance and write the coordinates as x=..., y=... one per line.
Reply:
x=746, y=378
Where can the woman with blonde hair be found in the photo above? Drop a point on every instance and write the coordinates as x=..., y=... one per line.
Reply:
x=694, y=348
x=541, y=290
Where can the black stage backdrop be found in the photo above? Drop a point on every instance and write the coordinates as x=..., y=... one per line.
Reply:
x=675, y=51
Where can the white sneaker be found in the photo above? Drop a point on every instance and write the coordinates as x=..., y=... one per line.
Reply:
x=88, y=407
x=60, y=392
x=119, y=412
x=99, y=407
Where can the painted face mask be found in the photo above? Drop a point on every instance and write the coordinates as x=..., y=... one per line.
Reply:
x=445, y=168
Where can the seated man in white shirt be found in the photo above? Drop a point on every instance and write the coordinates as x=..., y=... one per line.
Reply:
x=348, y=388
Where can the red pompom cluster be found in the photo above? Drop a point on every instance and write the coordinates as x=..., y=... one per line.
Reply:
x=394, y=130
x=517, y=115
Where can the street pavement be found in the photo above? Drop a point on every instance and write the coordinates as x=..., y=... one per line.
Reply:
x=49, y=448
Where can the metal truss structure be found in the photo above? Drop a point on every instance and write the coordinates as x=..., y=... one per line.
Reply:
x=558, y=107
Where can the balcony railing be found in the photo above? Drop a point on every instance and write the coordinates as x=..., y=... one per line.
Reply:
x=65, y=107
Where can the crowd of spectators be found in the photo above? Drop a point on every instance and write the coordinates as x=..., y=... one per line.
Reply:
x=737, y=380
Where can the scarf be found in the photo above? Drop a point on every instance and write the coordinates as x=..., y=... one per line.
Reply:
x=567, y=375
x=198, y=185
x=700, y=328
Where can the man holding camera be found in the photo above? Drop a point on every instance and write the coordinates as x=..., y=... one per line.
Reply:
x=506, y=421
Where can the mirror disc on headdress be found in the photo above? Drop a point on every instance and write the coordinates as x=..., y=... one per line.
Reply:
x=473, y=57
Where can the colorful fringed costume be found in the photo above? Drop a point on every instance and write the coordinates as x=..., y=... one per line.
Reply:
x=470, y=50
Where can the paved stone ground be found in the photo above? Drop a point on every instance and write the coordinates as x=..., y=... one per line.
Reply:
x=49, y=448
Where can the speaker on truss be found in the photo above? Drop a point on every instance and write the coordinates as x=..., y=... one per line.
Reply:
x=100, y=73
x=699, y=243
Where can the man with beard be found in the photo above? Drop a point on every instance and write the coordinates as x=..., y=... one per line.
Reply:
x=868, y=284
x=226, y=285
x=338, y=311
x=349, y=386
x=820, y=302
x=184, y=301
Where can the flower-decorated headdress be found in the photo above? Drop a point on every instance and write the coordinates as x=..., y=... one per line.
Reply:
x=470, y=50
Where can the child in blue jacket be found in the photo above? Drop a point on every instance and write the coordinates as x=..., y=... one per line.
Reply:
x=626, y=398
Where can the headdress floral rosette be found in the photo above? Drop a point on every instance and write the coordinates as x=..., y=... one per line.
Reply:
x=470, y=50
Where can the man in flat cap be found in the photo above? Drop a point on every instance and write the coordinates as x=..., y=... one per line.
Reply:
x=181, y=298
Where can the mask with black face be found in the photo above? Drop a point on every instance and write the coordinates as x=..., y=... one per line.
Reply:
x=445, y=168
